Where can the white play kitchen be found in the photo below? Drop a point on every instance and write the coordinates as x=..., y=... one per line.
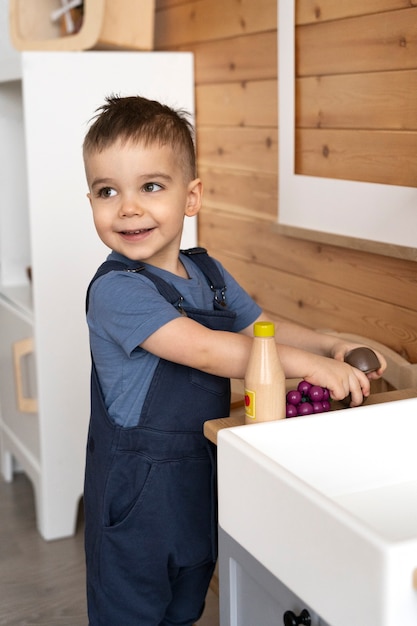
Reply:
x=318, y=518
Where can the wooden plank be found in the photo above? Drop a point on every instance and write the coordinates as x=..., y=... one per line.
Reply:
x=382, y=100
x=386, y=41
x=318, y=305
x=253, y=149
x=386, y=157
x=237, y=104
x=312, y=11
x=252, y=194
x=207, y=20
x=379, y=277
x=344, y=241
x=250, y=57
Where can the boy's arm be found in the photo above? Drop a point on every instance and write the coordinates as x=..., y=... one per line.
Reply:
x=324, y=344
x=186, y=342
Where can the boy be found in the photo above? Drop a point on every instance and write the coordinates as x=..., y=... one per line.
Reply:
x=167, y=332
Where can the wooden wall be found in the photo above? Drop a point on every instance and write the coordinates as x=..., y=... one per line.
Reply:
x=357, y=91
x=235, y=48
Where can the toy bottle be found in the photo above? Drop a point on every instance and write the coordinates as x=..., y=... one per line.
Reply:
x=264, y=378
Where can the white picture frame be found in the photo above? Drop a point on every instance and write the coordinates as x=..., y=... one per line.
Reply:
x=370, y=216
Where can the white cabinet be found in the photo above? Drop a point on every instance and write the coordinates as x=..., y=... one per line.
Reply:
x=46, y=223
x=9, y=57
x=250, y=594
x=20, y=432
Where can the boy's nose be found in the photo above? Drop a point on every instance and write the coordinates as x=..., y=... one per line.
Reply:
x=130, y=207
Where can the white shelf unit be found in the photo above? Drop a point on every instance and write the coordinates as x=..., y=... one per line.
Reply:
x=46, y=223
x=126, y=24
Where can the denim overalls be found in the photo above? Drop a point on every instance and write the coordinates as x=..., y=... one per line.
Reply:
x=150, y=490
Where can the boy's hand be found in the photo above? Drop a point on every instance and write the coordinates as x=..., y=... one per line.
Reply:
x=340, y=379
x=341, y=348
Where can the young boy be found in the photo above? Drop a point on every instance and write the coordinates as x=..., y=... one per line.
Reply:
x=167, y=331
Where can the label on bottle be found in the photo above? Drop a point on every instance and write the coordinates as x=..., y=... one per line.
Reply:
x=250, y=404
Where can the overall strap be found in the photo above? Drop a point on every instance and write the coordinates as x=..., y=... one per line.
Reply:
x=166, y=290
x=105, y=267
x=198, y=255
x=210, y=270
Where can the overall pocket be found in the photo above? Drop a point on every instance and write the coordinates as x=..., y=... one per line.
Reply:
x=127, y=483
x=168, y=511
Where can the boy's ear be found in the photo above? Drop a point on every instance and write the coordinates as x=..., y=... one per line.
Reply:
x=194, y=197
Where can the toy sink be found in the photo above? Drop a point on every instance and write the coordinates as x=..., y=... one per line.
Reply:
x=328, y=504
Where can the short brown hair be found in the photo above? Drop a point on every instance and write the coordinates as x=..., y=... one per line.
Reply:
x=134, y=118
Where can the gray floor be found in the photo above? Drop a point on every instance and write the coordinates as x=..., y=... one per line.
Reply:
x=42, y=583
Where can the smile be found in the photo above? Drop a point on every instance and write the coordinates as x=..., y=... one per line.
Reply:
x=136, y=232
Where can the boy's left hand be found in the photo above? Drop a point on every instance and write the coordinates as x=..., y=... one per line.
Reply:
x=341, y=348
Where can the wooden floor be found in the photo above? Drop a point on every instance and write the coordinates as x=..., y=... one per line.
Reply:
x=42, y=583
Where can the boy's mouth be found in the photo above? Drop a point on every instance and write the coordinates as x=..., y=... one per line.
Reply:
x=139, y=231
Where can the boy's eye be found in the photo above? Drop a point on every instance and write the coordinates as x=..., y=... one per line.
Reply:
x=106, y=192
x=150, y=187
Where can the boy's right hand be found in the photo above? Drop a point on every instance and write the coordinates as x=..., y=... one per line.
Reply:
x=340, y=379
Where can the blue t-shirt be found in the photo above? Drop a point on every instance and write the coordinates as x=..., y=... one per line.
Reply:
x=125, y=308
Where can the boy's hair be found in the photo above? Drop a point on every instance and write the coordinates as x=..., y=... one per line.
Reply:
x=137, y=119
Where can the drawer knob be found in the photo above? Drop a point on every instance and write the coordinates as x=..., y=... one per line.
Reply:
x=290, y=618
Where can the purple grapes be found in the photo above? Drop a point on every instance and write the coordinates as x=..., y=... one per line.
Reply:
x=307, y=399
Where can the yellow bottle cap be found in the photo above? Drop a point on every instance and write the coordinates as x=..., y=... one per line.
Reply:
x=264, y=329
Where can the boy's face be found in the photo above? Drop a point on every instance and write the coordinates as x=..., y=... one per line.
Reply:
x=139, y=198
